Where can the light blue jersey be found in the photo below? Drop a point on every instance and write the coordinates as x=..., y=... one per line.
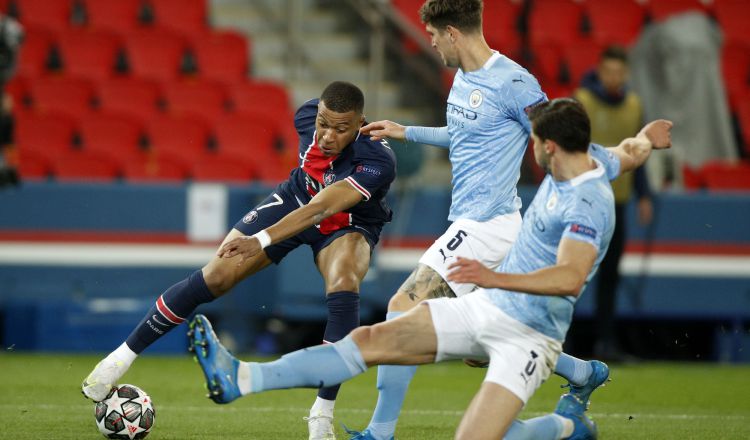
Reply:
x=581, y=209
x=489, y=131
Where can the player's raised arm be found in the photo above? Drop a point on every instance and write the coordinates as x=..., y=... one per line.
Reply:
x=436, y=136
x=331, y=200
x=634, y=151
x=566, y=278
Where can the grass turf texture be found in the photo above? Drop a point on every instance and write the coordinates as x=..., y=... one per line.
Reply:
x=41, y=399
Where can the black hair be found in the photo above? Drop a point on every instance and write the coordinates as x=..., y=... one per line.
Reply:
x=564, y=121
x=343, y=97
x=615, y=52
x=465, y=15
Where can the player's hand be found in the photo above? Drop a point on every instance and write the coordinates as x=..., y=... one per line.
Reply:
x=476, y=363
x=464, y=270
x=659, y=133
x=246, y=247
x=384, y=129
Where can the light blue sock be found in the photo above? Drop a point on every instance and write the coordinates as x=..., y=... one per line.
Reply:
x=314, y=367
x=549, y=427
x=575, y=370
x=393, y=381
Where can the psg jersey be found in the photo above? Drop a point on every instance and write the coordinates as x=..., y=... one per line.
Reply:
x=368, y=166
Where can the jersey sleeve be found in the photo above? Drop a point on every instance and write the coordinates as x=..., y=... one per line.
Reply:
x=304, y=118
x=586, y=220
x=373, y=171
x=519, y=95
x=610, y=161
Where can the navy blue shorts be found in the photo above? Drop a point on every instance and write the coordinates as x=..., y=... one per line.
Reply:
x=280, y=203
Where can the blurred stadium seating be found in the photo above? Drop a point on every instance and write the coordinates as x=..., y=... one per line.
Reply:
x=94, y=61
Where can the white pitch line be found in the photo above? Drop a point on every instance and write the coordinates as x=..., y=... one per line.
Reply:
x=411, y=412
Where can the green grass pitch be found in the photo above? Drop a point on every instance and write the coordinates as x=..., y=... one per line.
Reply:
x=41, y=399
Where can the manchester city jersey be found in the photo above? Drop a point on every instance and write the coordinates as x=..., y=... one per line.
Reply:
x=368, y=166
x=489, y=131
x=580, y=209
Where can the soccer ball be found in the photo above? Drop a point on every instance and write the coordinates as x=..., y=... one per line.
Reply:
x=127, y=413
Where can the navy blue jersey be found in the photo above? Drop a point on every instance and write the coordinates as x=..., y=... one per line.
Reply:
x=368, y=166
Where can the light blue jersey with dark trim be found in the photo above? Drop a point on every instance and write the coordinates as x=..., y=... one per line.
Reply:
x=489, y=130
x=583, y=209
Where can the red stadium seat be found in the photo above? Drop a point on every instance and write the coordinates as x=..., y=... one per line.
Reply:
x=85, y=166
x=222, y=169
x=137, y=98
x=34, y=52
x=49, y=135
x=615, y=22
x=69, y=96
x=155, y=54
x=152, y=169
x=556, y=21
x=732, y=16
x=18, y=89
x=113, y=135
x=727, y=176
x=581, y=58
x=119, y=16
x=660, y=10
x=186, y=16
x=222, y=56
x=33, y=166
x=546, y=63
x=251, y=138
x=255, y=96
x=198, y=99
x=735, y=66
x=54, y=15
x=691, y=178
x=89, y=54
x=409, y=11
x=500, y=23
x=181, y=139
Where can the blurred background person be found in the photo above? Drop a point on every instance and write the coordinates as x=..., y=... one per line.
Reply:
x=616, y=113
x=11, y=34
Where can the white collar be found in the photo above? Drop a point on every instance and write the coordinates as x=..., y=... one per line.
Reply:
x=588, y=175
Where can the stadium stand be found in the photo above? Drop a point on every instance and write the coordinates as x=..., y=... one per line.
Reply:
x=662, y=9
x=134, y=97
x=85, y=166
x=116, y=136
x=54, y=15
x=156, y=54
x=182, y=139
x=48, y=135
x=35, y=52
x=88, y=54
x=221, y=56
x=732, y=17
x=621, y=28
x=152, y=169
x=66, y=95
x=188, y=17
x=203, y=100
x=121, y=16
x=221, y=169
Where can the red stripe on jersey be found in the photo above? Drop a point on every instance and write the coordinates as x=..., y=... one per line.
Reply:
x=314, y=162
x=164, y=310
x=358, y=187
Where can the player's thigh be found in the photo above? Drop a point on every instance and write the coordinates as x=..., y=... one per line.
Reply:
x=221, y=274
x=487, y=242
x=423, y=283
x=344, y=262
x=409, y=339
x=490, y=413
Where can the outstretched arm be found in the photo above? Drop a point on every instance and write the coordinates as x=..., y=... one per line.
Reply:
x=331, y=200
x=566, y=278
x=634, y=151
x=437, y=136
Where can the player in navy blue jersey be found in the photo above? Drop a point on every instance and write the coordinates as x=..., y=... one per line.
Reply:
x=334, y=202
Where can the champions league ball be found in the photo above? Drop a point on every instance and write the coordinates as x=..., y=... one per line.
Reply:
x=127, y=413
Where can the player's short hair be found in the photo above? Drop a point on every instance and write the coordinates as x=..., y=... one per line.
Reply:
x=563, y=120
x=343, y=97
x=615, y=52
x=464, y=15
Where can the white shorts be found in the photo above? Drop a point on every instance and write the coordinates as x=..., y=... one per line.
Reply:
x=521, y=358
x=488, y=242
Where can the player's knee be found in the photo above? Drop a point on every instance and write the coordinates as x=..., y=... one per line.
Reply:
x=218, y=279
x=343, y=283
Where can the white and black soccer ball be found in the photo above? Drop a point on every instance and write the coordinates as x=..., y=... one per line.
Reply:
x=127, y=413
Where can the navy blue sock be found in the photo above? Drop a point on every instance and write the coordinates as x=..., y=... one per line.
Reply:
x=170, y=310
x=343, y=317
